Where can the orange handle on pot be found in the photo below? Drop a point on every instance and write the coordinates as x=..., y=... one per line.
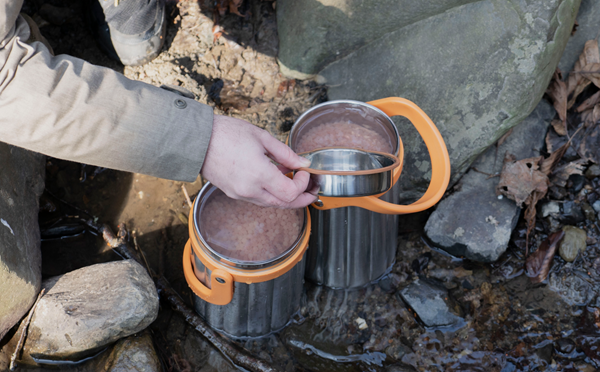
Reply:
x=440, y=164
x=221, y=290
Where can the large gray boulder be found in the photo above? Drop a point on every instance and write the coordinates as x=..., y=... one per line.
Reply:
x=588, y=29
x=87, y=309
x=473, y=222
x=21, y=184
x=476, y=69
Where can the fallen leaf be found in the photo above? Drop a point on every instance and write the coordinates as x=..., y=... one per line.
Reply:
x=561, y=175
x=547, y=165
x=530, y=213
x=577, y=82
x=559, y=126
x=539, y=262
x=557, y=90
x=519, y=179
x=591, y=116
x=589, y=148
x=234, y=7
x=592, y=73
x=589, y=103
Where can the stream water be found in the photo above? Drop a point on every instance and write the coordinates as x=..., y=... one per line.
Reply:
x=499, y=319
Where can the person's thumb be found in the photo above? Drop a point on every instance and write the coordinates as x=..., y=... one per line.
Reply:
x=282, y=154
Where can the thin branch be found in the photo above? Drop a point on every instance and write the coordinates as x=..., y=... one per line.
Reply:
x=187, y=196
x=13, y=358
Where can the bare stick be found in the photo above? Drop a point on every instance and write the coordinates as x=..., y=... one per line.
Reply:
x=187, y=196
x=235, y=355
x=13, y=358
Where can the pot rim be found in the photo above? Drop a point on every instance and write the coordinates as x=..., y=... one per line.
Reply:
x=366, y=172
x=232, y=263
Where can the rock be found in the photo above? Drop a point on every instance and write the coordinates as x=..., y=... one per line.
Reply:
x=588, y=211
x=431, y=302
x=476, y=68
x=572, y=243
x=587, y=29
x=473, y=222
x=130, y=354
x=596, y=206
x=572, y=213
x=577, y=182
x=87, y=309
x=550, y=208
x=593, y=171
x=21, y=184
x=572, y=286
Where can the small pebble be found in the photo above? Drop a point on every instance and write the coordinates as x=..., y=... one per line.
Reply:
x=572, y=243
x=592, y=172
x=361, y=323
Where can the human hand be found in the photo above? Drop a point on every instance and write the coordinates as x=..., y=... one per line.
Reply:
x=238, y=162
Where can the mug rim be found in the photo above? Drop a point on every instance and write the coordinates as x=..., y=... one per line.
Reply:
x=302, y=117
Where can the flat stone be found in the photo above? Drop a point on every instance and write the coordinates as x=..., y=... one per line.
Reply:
x=21, y=184
x=477, y=69
x=87, y=309
x=431, y=302
x=473, y=222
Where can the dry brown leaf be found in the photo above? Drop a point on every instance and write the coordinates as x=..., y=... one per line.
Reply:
x=589, y=147
x=577, y=82
x=234, y=7
x=591, y=116
x=519, y=179
x=559, y=126
x=530, y=213
x=592, y=73
x=557, y=90
x=589, y=103
x=561, y=175
x=539, y=263
x=547, y=165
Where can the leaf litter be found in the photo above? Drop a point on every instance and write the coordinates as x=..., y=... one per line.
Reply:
x=526, y=181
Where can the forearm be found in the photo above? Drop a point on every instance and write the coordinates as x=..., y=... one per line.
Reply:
x=64, y=107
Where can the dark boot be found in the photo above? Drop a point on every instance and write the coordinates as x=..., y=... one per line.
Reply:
x=130, y=31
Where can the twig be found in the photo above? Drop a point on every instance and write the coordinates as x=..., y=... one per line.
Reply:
x=137, y=248
x=236, y=355
x=13, y=358
x=187, y=196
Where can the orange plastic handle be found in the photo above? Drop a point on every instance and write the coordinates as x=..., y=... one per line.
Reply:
x=221, y=290
x=440, y=163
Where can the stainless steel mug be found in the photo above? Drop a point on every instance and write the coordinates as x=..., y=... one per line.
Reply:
x=354, y=237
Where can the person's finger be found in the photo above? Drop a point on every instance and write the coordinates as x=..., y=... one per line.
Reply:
x=282, y=153
x=301, y=201
x=286, y=189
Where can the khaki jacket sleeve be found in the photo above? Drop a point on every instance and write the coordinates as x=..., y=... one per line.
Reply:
x=70, y=109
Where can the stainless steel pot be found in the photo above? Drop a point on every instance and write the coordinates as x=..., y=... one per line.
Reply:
x=243, y=299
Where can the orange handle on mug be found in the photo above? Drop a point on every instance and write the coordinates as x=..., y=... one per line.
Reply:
x=440, y=164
